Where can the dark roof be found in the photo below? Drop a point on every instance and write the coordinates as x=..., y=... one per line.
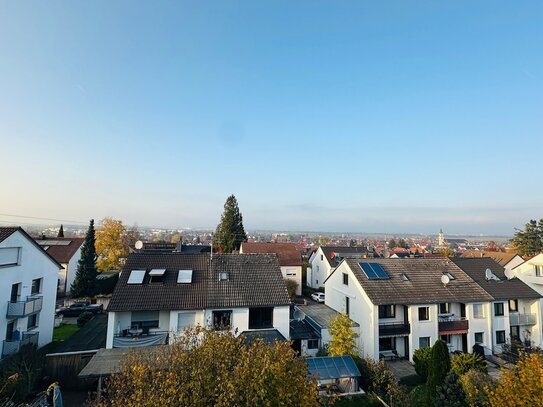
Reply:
x=62, y=253
x=342, y=251
x=254, y=280
x=7, y=231
x=269, y=336
x=501, y=290
x=301, y=329
x=288, y=253
x=194, y=248
x=424, y=285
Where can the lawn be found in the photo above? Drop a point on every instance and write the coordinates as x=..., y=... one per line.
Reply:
x=64, y=331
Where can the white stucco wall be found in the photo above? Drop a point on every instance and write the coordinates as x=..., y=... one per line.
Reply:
x=72, y=268
x=421, y=328
x=320, y=269
x=480, y=325
x=297, y=271
x=34, y=264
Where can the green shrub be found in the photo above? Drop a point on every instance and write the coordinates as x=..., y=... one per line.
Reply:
x=84, y=318
x=421, y=358
x=450, y=393
x=474, y=383
x=440, y=364
x=292, y=286
x=465, y=362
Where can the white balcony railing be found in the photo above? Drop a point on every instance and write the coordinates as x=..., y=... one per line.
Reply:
x=21, y=309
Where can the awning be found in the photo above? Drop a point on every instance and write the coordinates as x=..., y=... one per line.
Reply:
x=454, y=332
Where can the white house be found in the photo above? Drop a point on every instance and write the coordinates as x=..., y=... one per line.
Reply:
x=326, y=258
x=28, y=291
x=67, y=252
x=531, y=272
x=290, y=258
x=405, y=304
x=159, y=295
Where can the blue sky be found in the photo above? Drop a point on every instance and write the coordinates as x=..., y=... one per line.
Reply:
x=328, y=116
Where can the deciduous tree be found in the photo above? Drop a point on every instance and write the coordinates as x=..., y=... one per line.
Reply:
x=111, y=245
x=85, y=276
x=474, y=384
x=343, y=338
x=292, y=286
x=230, y=231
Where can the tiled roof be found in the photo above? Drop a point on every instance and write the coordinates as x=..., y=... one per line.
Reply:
x=424, y=285
x=288, y=253
x=254, y=280
x=342, y=250
x=501, y=290
x=7, y=231
x=63, y=253
x=500, y=257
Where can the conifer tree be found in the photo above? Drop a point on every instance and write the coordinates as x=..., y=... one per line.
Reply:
x=230, y=232
x=440, y=365
x=529, y=241
x=85, y=276
x=61, y=231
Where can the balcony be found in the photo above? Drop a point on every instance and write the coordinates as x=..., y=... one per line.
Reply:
x=522, y=319
x=11, y=347
x=394, y=329
x=136, y=336
x=453, y=324
x=21, y=309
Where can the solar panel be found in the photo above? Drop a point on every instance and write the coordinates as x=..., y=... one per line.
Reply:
x=370, y=274
x=136, y=277
x=184, y=276
x=157, y=272
x=379, y=270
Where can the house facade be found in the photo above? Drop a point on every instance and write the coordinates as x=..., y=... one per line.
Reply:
x=28, y=290
x=290, y=258
x=159, y=295
x=326, y=258
x=67, y=252
x=405, y=304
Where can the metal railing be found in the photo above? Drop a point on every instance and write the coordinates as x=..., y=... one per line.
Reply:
x=522, y=319
x=452, y=323
x=11, y=347
x=22, y=309
x=394, y=328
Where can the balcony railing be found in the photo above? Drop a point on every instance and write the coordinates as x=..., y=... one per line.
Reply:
x=522, y=319
x=452, y=323
x=21, y=309
x=11, y=347
x=132, y=337
x=394, y=329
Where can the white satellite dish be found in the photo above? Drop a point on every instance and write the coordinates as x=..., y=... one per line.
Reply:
x=445, y=279
x=139, y=245
x=488, y=274
x=509, y=274
x=298, y=315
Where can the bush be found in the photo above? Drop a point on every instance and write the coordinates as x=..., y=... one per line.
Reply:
x=84, y=318
x=107, y=285
x=22, y=373
x=474, y=384
x=440, y=364
x=292, y=286
x=421, y=358
x=465, y=362
x=450, y=393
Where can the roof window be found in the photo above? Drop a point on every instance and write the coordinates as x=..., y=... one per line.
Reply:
x=404, y=277
x=184, y=277
x=136, y=277
x=224, y=276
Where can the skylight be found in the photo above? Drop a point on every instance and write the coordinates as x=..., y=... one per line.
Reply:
x=451, y=277
x=404, y=277
x=373, y=271
x=136, y=277
x=184, y=277
x=157, y=272
x=223, y=276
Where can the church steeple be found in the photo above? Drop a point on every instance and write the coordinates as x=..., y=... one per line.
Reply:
x=441, y=238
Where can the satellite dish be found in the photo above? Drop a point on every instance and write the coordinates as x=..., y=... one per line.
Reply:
x=139, y=245
x=488, y=274
x=298, y=315
x=509, y=274
x=445, y=279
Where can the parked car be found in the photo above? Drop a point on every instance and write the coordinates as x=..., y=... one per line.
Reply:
x=319, y=297
x=77, y=308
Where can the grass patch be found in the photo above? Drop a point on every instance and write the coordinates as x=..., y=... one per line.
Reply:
x=419, y=395
x=64, y=331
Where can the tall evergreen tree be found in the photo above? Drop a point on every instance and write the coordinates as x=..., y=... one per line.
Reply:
x=230, y=232
x=61, y=231
x=529, y=241
x=85, y=276
x=440, y=365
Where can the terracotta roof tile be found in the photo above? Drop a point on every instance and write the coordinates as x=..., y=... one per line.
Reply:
x=288, y=253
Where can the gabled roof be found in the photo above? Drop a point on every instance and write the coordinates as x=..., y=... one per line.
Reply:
x=501, y=290
x=424, y=284
x=341, y=250
x=288, y=253
x=7, y=231
x=254, y=280
x=61, y=253
x=500, y=257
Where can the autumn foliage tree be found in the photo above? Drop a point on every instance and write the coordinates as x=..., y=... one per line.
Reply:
x=207, y=368
x=111, y=244
x=343, y=338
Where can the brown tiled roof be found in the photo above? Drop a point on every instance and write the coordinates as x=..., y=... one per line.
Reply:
x=500, y=257
x=288, y=253
x=501, y=290
x=328, y=250
x=424, y=285
x=7, y=231
x=62, y=253
x=254, y=280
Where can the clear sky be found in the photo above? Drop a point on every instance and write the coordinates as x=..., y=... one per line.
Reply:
x=381, y=116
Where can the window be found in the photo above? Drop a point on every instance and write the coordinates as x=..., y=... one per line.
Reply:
x=9, y=330
x=186, y=320
x=224, y=276
x=500, y=337
x=157, y=276
x=345, y=279
x=513, y=305
x=15, y=289
x=347, y=305
x=36, y=286
x=479, y=337
x=478, y=311
x=498, y=309
x=32, y=321
x=144, y=319
x=316, y=281
x=261, y=318
x=322, y=257
x=515, y=332
x=291, y=273
x=312, y=344
x=424, y=342
x=222, y=320
x=387, y=311
x=444, y=308
x=404, y=277
x=538, y=270
x=9, y=256
x=424, y=313
x=446, y=338
x=387, y=344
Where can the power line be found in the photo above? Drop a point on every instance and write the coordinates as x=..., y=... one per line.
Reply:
x=38, y=218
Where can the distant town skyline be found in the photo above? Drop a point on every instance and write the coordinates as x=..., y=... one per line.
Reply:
x=356, y=117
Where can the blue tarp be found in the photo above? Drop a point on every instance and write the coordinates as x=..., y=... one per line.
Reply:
x=332, y=367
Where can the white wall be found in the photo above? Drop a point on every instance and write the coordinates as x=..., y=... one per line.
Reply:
x=421, y=328
x=480, y=325
x=72, y=268
x=34, y=264
x=320, y=269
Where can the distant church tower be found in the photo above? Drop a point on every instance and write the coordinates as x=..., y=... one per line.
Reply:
x=441, y=238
